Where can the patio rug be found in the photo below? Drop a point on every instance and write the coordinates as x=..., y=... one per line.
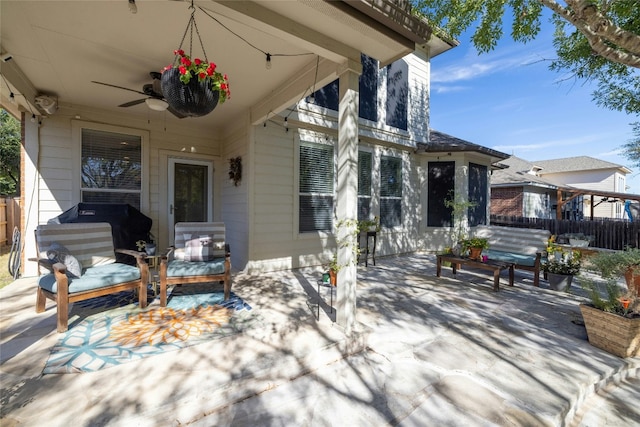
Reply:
x=111, y=330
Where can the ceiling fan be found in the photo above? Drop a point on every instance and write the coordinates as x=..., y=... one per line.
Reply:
x=155, y=100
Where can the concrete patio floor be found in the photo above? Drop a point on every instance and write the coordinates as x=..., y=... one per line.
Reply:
x=427, y=351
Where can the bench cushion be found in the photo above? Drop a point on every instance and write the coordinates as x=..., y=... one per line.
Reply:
x=519, y=259
x=179, y=268
x=526, y=241
x=101, y=276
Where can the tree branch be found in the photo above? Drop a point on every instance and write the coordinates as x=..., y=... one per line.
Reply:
x=598, y=30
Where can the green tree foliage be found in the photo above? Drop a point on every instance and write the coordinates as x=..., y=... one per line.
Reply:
x=9, y=154
x=632, y=147
x=596, y=40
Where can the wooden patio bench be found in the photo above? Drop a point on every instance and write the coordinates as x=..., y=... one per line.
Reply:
x=521, y=246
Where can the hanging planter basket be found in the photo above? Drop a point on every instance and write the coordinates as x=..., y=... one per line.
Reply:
x=194, y=99
x=193, y=87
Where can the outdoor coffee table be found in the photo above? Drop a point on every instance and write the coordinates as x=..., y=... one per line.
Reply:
x=493, y=265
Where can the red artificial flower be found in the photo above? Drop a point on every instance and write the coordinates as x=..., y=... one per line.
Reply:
x=202, y=76
x=197, y=61
x=185, y=61
x=183, y=70
x=212, y=66
x=178, y=52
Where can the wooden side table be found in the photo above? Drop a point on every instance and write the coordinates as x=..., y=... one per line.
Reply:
x=370, y=250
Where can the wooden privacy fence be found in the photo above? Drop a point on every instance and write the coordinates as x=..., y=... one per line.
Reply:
x=9, y=218
x=607, y=233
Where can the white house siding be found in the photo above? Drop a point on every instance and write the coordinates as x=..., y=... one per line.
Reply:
x=419, y=77
x=536, y=203
x=603, y=180
x=272, y=200
x=234, y=200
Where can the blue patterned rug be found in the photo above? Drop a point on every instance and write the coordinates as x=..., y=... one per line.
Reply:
x=111, y=330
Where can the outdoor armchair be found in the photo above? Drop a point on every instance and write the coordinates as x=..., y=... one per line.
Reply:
x=200, y=254
x=80, y=263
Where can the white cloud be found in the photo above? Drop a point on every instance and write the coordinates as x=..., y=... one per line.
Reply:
x=448, y=89
x=475, y=66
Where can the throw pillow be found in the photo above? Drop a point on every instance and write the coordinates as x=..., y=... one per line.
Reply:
x=198, y=248
x=58, y=253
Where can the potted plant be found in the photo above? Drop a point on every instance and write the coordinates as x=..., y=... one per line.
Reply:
x=560, y=272
x=612, y=323
x=475, y=245
x=193, y=87
x=619, y=264
x=459, y=208
x=333, y=267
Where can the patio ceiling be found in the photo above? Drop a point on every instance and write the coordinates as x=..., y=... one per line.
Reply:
x=59, y=47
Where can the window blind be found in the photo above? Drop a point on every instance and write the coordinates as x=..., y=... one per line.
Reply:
x=316, y=186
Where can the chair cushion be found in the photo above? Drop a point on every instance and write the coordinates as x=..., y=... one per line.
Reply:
x=58, y=253
x=97, y=277
x=178, y=268
x=519, y=259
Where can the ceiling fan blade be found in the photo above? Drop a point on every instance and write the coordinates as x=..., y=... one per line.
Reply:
x=119, y=87
x=132, y=103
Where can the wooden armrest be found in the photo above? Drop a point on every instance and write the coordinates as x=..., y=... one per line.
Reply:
x=59, y=267
x=167, y=252
x=133, y=253
x=44, y=262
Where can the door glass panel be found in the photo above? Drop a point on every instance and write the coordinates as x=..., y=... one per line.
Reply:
x=190, y=193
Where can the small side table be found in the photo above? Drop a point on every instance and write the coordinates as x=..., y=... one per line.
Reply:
x=331, y=287
x=154, y=263
x=370, y=250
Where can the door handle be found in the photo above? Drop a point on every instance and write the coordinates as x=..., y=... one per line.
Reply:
x=171, y=209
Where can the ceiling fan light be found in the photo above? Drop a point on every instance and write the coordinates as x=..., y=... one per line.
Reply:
x=156, y=104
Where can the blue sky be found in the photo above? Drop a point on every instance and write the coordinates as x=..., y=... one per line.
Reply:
x=510, y=101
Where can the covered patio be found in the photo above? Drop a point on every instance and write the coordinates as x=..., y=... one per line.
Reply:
x=448, y=350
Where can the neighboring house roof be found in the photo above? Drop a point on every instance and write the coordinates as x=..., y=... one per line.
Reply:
x=441, y=142
x=516, y=172
x=577, y=164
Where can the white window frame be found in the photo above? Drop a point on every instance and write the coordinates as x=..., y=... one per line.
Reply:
x=76, y=129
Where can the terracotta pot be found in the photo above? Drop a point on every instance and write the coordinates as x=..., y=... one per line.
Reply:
x=632, y=277
x=194, y=99
x=333, y=277
x=475, y=253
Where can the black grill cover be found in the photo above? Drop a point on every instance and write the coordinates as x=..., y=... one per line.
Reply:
x=128, y=224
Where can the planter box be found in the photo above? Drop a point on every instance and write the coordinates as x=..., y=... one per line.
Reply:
x=611, y=332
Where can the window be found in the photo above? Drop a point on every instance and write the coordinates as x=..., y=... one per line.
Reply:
x=397, y=94
x=364, y=185
x=440, y=186
x=329, y=95
x=316, y=187
x=390, y=191
x=111, y=167
x=368, y=88
x=477, y=194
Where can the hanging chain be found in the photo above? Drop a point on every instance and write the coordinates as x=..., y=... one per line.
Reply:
x=190, y=26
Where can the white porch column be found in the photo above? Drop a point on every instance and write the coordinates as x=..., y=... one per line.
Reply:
x=347, y=192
